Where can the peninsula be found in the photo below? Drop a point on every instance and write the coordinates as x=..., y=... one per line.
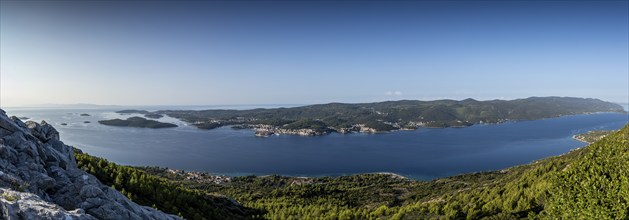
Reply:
x=593, y=136
x=376, y=117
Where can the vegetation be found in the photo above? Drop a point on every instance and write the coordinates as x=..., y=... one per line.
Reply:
x=596, y=185
x=393, y=115
x=137, y=122
x=315, y=125
x=587, y=183
x=154, y=116
x=593, y=136
x=9, y=197
x=160, y=193
x=209, y=125
x=142, y=112
x=132, y=111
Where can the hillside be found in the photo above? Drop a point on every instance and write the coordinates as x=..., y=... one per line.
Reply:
x=587, y=183
x=593, y=136
x=160, y=193
x=391, y=115
x=39, y=179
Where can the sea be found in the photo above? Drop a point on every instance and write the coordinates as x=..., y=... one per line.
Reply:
x=423, y=154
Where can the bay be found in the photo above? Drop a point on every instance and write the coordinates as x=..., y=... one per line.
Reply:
x=421, y=154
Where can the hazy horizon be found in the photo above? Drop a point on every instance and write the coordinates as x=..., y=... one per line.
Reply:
x=271, y=105
x=259, y=53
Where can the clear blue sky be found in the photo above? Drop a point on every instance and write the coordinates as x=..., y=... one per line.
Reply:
x=184, y=53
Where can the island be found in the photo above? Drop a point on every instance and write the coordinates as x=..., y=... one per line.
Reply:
x=142, y=112
x=84, y=114
x=138, y=122
x=153, y=115
x=378, y=117
x=132, y=111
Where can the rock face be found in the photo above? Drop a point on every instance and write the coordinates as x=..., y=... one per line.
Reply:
x=39, y=179
x=20, y=205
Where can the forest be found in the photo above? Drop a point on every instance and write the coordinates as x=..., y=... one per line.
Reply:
x=162, y=194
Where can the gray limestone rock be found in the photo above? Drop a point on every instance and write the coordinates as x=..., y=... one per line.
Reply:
x=39, y=179
x=21, y=205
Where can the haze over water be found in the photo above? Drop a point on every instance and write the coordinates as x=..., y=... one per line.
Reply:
x=421, y=154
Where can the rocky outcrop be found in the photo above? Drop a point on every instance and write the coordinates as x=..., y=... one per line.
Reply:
x=22, y=205
x=39, y=179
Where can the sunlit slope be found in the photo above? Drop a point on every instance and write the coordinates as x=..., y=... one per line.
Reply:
x=596, y=184
x=589, y=183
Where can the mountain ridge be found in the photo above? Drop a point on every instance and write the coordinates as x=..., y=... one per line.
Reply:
x=385, y=116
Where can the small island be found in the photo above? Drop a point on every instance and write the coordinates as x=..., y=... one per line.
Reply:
x=153, y=115
x=142, y=112
x=132, y=111
x=85, y=114
x=137, y=122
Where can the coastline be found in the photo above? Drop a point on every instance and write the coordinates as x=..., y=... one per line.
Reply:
x=579, y=138
x=592, y=136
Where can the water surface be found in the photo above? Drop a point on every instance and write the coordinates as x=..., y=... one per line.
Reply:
x=421, y=154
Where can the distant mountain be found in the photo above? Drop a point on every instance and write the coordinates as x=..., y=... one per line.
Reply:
x=391, y=115
x=76, y=105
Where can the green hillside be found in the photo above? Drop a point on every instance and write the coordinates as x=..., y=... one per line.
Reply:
x=588, y=183
x=394, y=115
x=165, y=195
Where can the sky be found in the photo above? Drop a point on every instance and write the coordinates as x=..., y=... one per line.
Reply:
x=306, y=52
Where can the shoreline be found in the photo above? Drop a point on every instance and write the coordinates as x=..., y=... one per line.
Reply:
x=578, y=138
x=299, y=132
x=592, y=136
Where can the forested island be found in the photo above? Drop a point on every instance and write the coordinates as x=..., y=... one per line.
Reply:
x=132, y=111
x=586, y=183
x=138, y=122
x=142, y=112
x=387, y=116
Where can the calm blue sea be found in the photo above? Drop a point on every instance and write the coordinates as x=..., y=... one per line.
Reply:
x=420, y=154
